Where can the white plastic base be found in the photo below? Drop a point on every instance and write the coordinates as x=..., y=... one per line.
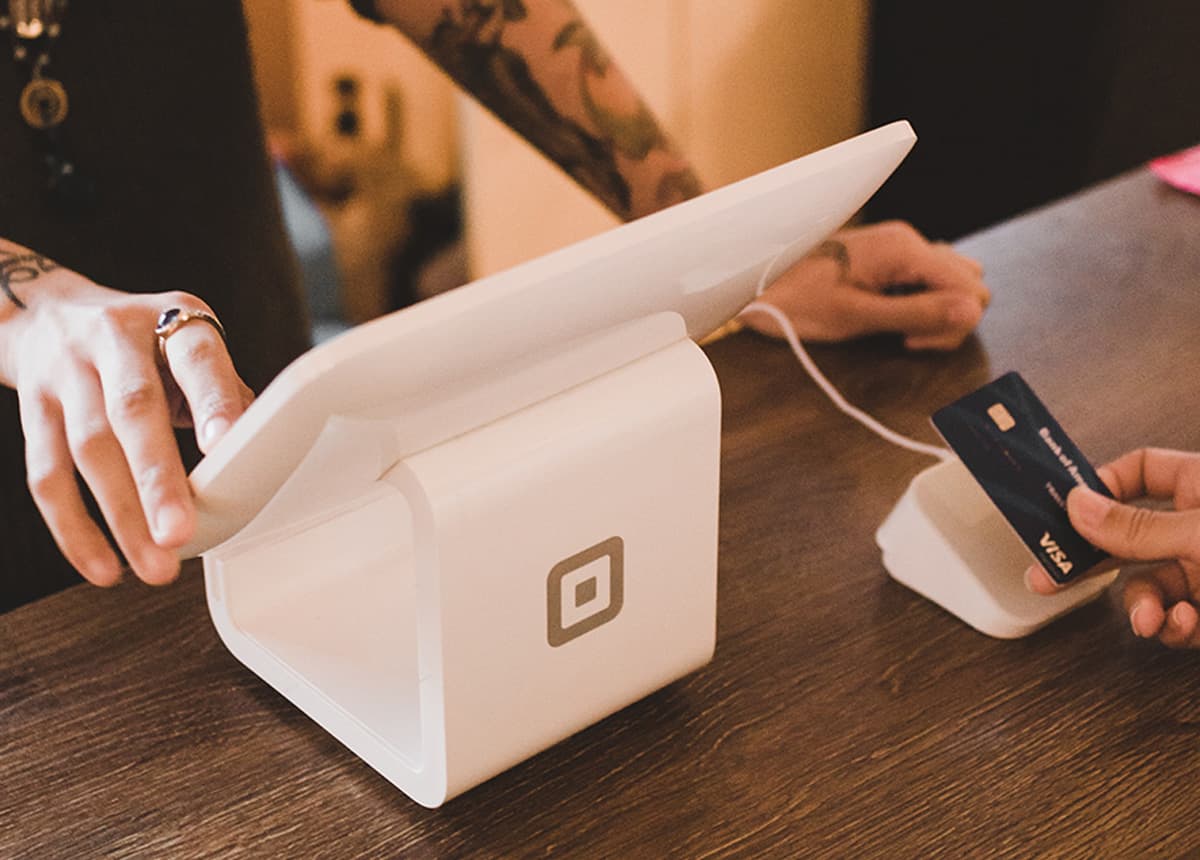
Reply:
x=461, y=532
x=493, y=594
x=946, y=541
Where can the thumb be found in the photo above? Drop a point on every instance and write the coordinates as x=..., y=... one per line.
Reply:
x=1134, y=533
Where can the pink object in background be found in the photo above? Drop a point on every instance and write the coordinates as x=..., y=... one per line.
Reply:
x=1181, y=169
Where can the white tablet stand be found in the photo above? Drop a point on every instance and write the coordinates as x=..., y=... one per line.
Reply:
x=948, y=542
x=458, y=534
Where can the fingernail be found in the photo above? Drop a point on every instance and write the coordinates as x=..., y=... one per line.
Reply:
x=169, y=519
x=1178, y=615
x=160, y=566
x=214, y=429
x=1031, y=576
x=103, y=572
x=1087, y=507
x=1133, y=621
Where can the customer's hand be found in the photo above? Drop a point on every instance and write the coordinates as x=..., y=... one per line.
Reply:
x=96, y=398
x=1163, y=600
x=843, y=289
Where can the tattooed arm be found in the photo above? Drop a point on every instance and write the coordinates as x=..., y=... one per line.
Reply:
x=540, y=69
x=97, y=400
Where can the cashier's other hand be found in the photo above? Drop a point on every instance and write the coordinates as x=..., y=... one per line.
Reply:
x=840, y=290
x=1162, y=600
x=97, y=402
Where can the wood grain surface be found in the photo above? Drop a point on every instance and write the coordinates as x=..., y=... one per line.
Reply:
x=843, y=716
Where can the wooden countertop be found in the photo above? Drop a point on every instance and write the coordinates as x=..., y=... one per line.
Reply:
x=843, y=716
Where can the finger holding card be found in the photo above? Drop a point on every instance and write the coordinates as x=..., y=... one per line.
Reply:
x=1037, y=579
x=1161, y=601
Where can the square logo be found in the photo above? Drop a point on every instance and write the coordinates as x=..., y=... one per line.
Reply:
x=585, y=591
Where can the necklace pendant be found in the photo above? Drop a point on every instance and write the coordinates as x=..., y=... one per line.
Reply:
x=44, y=103
x=33, y=19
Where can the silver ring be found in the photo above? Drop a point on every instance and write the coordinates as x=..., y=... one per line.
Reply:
x=173, y=319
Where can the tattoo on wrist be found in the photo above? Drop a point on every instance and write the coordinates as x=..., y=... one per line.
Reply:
x=832, y=249
x=21, y=268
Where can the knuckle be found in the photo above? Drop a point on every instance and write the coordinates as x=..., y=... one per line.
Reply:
x=37, y=400
x=46, y=482
x=215, y=403
x=1193, y=539
x=111, y=327
x=901, y=232
x=1137, y=526
x=1187, y=493
x=960, y=315
x=151, y=480
x=89, y=440
x=134, y=399
x=200, y=350
x=181, y=299
x=114, y=319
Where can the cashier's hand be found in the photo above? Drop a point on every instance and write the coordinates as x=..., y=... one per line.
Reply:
x=1162, y=601
x=96, y=400
x=840, y=290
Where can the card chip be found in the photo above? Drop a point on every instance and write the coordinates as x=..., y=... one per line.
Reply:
x=1001, y=416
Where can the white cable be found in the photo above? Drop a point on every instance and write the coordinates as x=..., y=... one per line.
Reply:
x=833, y=394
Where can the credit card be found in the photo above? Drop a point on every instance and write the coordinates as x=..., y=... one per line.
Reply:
x=1026, y=463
